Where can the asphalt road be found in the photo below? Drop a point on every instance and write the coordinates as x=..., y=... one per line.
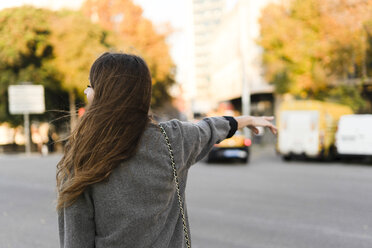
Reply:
x=265, y=204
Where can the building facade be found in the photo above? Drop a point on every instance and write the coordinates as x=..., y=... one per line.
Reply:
x=206, y=18
x=227, y=60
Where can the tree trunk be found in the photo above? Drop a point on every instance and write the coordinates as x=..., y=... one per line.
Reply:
x=364, y=54
x=73, y=118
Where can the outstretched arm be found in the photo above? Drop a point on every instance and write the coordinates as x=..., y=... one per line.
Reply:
x=252, y=122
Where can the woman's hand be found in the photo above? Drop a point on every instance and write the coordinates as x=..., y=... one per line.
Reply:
x=252, y=122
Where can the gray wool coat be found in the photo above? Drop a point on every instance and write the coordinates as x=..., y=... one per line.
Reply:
x=138, y=205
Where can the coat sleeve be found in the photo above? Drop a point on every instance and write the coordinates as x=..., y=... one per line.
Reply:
x=76, y=223
x=197, y=139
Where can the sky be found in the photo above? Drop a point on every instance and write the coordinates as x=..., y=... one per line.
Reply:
x=173, y=12
x=159, y=11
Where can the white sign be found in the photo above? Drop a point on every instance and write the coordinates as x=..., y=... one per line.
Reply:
x=25, y=99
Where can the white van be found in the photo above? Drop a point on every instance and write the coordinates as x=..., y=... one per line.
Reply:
x=354, y=135
x=299, y=133
x=308, y=127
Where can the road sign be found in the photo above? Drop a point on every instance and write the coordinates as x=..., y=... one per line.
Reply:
x=26, y=99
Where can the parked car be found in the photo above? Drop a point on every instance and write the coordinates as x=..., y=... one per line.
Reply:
x=308, y=128
x=234, y=148
x=354, y=136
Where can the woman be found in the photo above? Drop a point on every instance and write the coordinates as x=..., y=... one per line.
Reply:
x=116, y=186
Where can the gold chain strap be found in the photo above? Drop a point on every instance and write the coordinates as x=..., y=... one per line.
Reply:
x=177, y=187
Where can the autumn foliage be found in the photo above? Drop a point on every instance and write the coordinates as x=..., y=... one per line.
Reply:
x=137, y=35
x=57, y=48
x=312, y=47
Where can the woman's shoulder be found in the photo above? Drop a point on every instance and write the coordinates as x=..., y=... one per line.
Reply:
x=175, y=124
x=173, y=128
x=170, y=126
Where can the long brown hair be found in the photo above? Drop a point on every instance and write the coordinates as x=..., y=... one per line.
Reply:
x=110, y=129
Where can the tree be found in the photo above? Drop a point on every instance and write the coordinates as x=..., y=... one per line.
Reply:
x=26, y=53
x=311, y=46
x=138, y=36
x=55, y=49
x=77, y=42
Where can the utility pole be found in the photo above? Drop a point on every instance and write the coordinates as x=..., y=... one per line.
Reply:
x=27, y=133
x=243, y=42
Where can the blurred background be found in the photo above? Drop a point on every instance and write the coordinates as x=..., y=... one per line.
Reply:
x=307, y=62
x=206, y=57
